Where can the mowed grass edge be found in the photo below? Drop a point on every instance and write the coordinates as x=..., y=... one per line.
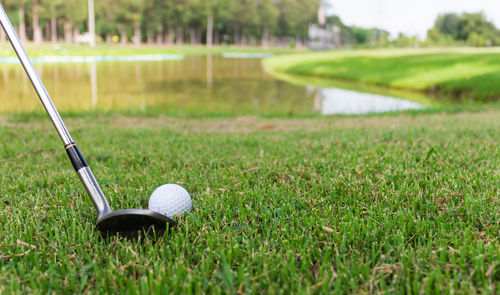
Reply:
x=317, y=205
x=62, y=49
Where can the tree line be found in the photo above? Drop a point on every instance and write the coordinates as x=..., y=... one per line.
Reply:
x=471, y=29
x=244, y=22
x=450, y=29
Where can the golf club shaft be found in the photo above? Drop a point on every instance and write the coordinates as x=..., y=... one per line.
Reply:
x=74, y=154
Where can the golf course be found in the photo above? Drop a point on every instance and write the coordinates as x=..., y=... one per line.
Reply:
x=249, y=147
x=403, y=201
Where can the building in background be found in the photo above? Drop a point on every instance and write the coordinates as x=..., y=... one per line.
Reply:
x=323, y=36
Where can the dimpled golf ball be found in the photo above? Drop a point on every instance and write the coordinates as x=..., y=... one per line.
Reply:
x=170, y=200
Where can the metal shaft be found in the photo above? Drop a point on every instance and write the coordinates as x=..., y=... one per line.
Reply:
x=81, y=167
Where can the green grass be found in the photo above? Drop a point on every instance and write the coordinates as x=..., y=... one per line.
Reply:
x=464, y=75
x=401, y=203
x=116, y=49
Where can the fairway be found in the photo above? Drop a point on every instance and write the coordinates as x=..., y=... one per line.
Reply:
x=352, y=205
x=459, y=75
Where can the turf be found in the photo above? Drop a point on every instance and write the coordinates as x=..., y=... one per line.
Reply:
x=399, y=204
x=465, y=75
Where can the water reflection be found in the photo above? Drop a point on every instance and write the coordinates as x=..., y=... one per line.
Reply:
x=195, y=85
x=93, y=83
x=208, y=84
x=339, y=101
x=209, y=71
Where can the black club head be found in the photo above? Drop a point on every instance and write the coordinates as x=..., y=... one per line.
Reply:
x=129, y=222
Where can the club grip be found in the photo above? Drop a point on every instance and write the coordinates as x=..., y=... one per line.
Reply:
x=75, y=156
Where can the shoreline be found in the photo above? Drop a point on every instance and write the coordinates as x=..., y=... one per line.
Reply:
x=469, y=76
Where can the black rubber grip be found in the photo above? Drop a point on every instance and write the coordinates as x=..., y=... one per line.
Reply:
x=75, y=156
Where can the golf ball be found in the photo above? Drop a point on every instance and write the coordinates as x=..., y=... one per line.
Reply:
x=170, y=200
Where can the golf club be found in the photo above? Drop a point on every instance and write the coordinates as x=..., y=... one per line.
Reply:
x=123, y=222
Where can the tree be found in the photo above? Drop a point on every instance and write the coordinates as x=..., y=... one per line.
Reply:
x=37, y=31
x=243, y=13
x=106, y=19
x=210, y=15
x=207, y=11
x=449, y=24
x=20, y=5
x=195, y=15
x=180, y=18
x=221, y=15
x=268, y=18
x=361, y=35
x=470, y=28
x=127, y=14
x=152, y=20
x=475, y=26
x=91, y=23
x=75, y=13
x=51, y=9
x=405, y=41
x=295, y=16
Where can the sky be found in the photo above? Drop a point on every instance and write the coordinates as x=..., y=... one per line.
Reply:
x=411, y=17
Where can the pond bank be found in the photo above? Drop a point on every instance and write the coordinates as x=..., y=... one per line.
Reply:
x=460, y=75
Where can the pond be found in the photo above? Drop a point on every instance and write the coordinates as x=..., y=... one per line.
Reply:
x=195, y=84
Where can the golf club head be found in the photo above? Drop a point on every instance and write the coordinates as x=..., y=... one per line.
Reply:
x=128, y=223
